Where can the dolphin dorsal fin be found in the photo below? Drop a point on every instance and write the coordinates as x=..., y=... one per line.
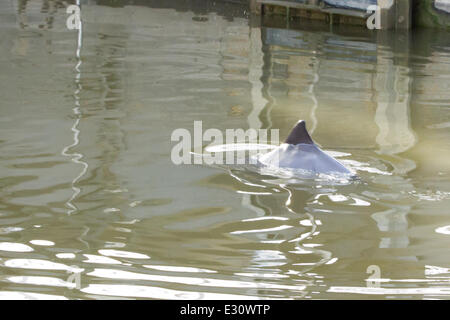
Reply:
x=299, y=134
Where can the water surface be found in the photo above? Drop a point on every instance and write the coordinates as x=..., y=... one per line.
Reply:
x=87, y=186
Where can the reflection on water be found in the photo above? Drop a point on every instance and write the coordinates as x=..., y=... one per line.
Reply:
x=87, y=187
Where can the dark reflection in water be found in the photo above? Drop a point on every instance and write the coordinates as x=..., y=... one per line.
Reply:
x=87, y=183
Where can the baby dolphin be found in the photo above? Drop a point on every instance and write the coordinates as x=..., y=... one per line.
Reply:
x=300, y=152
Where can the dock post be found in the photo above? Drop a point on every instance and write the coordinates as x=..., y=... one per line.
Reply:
x=403, y=14
x=287, y=18
x=255, y=7
x=387, y=16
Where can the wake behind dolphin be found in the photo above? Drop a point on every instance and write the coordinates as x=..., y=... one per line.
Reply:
x=299, y=152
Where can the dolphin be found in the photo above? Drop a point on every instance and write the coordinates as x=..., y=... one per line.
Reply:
x=300, y=152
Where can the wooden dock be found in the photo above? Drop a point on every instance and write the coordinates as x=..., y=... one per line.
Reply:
x=398, y=16
x=331, y=11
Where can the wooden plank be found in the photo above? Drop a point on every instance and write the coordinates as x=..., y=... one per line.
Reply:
x=403, y=14
x=289, y=4
x=345, y=12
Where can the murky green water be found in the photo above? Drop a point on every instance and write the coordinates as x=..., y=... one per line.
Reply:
x=88, y=191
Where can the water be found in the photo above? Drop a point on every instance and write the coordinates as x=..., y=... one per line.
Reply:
x=88, y=193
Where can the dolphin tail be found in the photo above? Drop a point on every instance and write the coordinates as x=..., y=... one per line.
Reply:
x=299, y=134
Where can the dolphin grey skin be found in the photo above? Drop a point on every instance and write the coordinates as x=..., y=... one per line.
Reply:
x=300, y=152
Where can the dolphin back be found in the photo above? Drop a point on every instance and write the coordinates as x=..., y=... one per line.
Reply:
x=307, y=157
